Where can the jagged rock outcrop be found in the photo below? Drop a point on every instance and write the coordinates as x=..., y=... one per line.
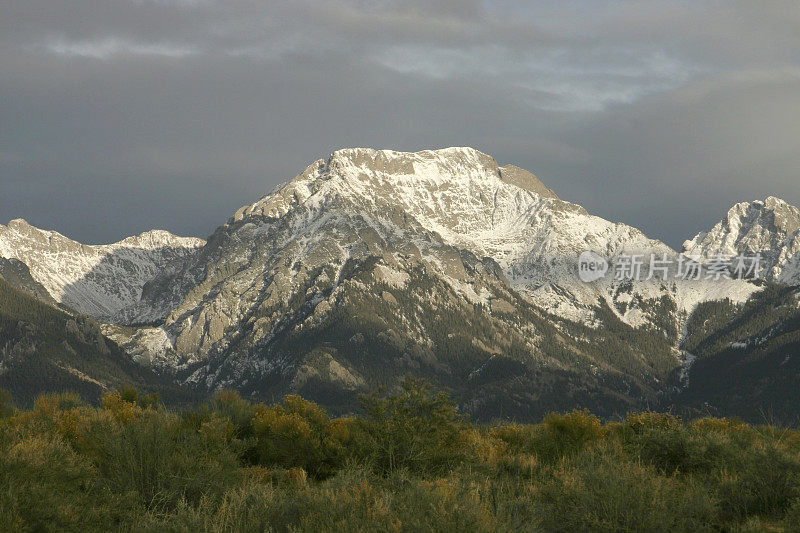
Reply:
x=770, y=227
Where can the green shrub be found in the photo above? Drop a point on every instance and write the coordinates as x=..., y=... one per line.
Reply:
x=565, y=435
x=559, y=435
x=46, y=486
x=299, y=434
x=767, y=485
x=414, y=429
x=648, y=421
x=246, y=508
x=161, y=462
x=409, y=463
x=681, y=450
x=62, y=401
x=229, y=404
x=352, y=500
x=793, y=517
x=704, y=447
x=599, y=492
x=131, y=395
x=128, y=394
x=445, y=504
x=518, y=437
x=6, y=404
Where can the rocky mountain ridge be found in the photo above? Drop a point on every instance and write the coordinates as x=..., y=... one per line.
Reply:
x=96, y=280
x=770, y=227
x=373, y=263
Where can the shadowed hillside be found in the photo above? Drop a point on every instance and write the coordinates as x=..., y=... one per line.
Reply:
x=44, y=349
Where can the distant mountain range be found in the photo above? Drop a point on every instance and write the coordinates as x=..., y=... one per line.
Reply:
x=370, y=265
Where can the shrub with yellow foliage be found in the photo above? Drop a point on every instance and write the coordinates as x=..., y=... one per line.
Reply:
x=410, y=462
x=300, y=433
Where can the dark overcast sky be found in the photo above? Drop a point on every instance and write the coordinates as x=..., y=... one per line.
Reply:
x=117, y=116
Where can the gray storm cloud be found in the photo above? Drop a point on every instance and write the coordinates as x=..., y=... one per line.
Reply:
x=121, y=115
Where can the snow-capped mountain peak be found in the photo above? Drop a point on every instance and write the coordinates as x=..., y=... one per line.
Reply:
x=769, y=227
x=435, y=210
x=440, y=261
x=460, y=194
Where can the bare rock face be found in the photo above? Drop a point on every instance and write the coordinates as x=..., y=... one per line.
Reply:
x=525, y=180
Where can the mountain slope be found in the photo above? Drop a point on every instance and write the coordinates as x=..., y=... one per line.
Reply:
x=44, y=349
x=18, y=275
x=97, y=280
x=748, y=358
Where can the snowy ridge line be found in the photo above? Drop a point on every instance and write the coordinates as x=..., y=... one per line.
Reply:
x=444, y=211
x=98, y=280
